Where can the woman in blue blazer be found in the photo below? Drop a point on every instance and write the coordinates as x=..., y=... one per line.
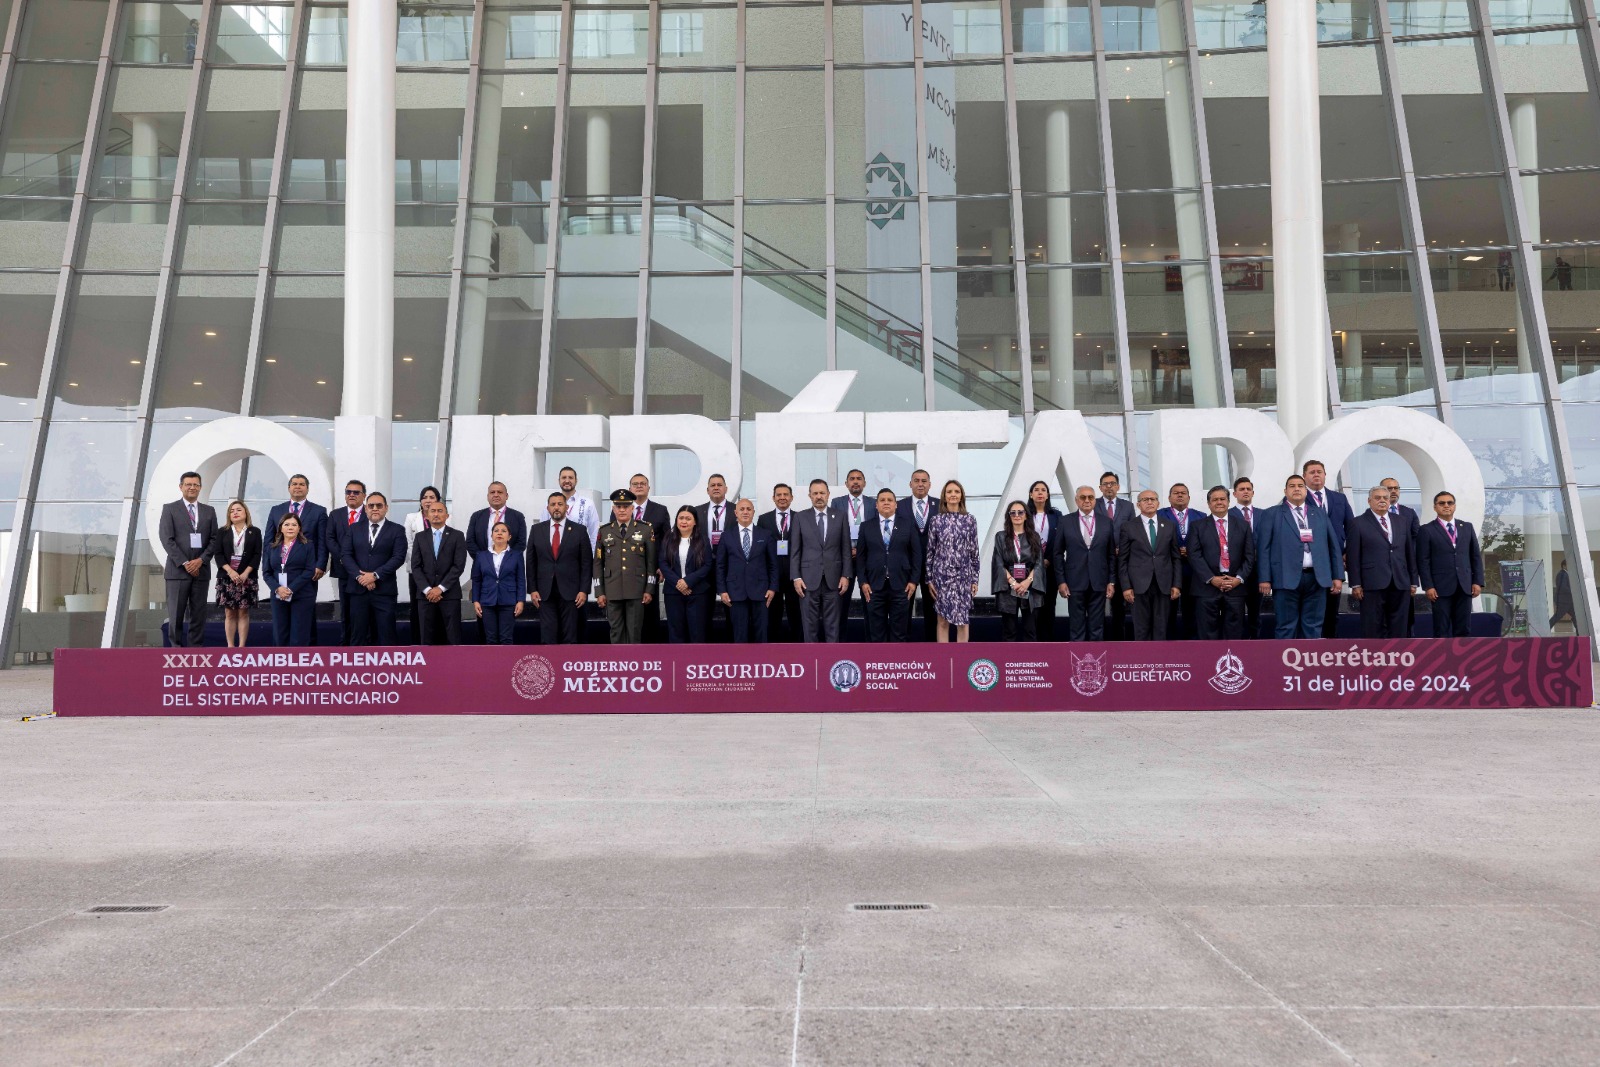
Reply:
x=686, y=563
x=288, y=566
x=499, y=586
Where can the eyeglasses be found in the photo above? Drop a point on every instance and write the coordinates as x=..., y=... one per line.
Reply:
x=1015, y=514
x=352, y=492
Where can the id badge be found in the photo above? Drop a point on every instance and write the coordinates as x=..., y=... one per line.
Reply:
x=783, y=547
x=716, y=538
x=194, y=541
x=1018, y=572
x=1305, y=537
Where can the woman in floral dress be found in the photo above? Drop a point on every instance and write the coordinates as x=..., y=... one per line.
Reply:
x=953, y=561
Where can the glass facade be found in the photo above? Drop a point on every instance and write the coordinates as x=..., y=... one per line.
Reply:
x=658, y=208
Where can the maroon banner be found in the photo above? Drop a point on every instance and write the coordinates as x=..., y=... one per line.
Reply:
x=601, y=679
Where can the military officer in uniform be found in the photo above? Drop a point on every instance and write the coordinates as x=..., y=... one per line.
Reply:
x=625, y=559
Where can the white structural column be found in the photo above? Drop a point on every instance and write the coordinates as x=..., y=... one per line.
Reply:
x=369, y=211
x=1350, y=279
x=1300, y=305
x=479, y=258
x=1058, y=249
x=1525, y=139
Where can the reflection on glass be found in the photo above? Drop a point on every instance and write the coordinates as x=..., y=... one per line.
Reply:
x=784, y=343
x=222, y=236
x=783, y=135
x=605, y=139
x=86, y=461
x=253, y=34
x=515, y=39
x=302, y=348
x=1233, y=24
x=326, y=28
x=1487, y=354
x=427, y=137
x=1377, y=349
x=433, y=38
x=316, y=139
x=63, y=30
x=498, y=362
x=232, y=158
x=201, y=374
x=160, y=33
x=691, y=37
x=592, y=348
x=26, y=304
x=694, y=136
x=689, y=366
x=69, y=552
x=141, y=133
x=1053, y=27
x=610, y=37
x=103, y=351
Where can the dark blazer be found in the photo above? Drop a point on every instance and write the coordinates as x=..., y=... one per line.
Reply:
x=445, y=569
x=841, y=504
x=568, y=576
x=313, y=524
x=1205, y=555
x=1279, y=550
x=1191, y=516
x=703, y=513
x=1139, y=565
x=699, y=574
x=768, y=521
x=1256, y=513
x=222, y=548
x=1410, y=516
x=1372, y=560
x=897, y=564
x=297, y=574
x=905, y=511
x=338, y=528
x=1004, y=557
x=384, y=557
x=1085, y=568
x=1055, y=528
x=820, y=562
x=1447, y=568
x=658, y=518
x=1125, y=510
x=749, y=578
x=1339, y=513
x=175, y=541
x=505, y=590
x=478, y=530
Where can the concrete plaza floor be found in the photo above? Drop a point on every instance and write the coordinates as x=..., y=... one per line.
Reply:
x=1166, y=889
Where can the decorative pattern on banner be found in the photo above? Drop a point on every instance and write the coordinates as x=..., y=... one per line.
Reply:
x=598, y=679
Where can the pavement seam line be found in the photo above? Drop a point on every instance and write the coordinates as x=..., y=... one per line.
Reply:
x=1163, y=906
x=318, y=994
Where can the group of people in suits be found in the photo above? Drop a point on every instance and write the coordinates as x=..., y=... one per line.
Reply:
x=1125, y=568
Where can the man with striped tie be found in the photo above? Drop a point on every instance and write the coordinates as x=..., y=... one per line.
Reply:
x=1244, y=495
x=783, y=614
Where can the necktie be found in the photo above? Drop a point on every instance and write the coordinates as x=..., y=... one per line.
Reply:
x=1222, y=535
x=1383, y=520
x=438, y=535
x=297, y=508
x=1249, y=518
x=1150, y=524
x=555, y=541
x=885, y=531
x=193, y=520
x=822, y=526
x=1450, y=528
x=716, y=523
x=350, y=518
x=638, y=513
x=783, y=525
x=922, y=514
x=744, y=539
x=1321, y=503
x=372, y=538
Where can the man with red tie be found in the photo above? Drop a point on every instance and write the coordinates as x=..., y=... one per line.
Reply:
x=340, y=524
x=1222, y=556
x=1116, y=513
x=560, y=571
x=1244, y=496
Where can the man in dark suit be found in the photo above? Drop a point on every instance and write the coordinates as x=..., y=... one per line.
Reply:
x=1409, y=516
x=1087, y=562
x=919, y=509
x=374, y=552
x=715, y=517
x=819, y=560
x=1382, y=560
x=1149, y=568
x=889, y=566
x=856, y=510
x=560, y=573
x=647, y=510
x=188, y=528
x=1244, y=496
x=483, y=521
x=747, y=574
x=1115, y=513
x=1297, y=562
x=438, y=559
x=1337, y=507
x=1181, y=620
x=1222, y=557
x=1449, y=568
x=340, y=523
x=313, y=521
x=783, y=614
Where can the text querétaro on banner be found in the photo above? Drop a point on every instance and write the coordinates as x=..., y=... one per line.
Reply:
x=583, y=679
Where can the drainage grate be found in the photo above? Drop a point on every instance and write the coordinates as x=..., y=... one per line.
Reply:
x=891, y=907
x=127, y=909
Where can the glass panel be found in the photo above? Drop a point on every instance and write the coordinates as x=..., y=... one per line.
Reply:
x=146, y=595
x=1244, y=221
x=325, y=36
x=1347, y=20
x=513, y=152
x=600, y=237
x=1508, y=14
x=498, y=365
x=1511, y=443
x=1462, y=212
x=1247, y=302
x=1356, y=138
x=1377, y=350
x=977, y=364
x=689, y=366
x=1486, y=356
x=312, y=237
x=785, y=340
x=1230, y=24
x=1077, y=225
x=1074, y=348
x=881, y=235
x=222, y=236
x=1161, y=226
x=691, y=238
x=522, y=38
x=27, y=302
x=201, y=375
x=875, y=151
x=15, y=440
x=139, y=139
x=1446, y=108
x=605, y=139
x=1563, y=207
x=1152, y=132
x=160, y=33
x=316, y=139
x=610, y=37
x=424, y=237
x=880, y=336
x=872, y=33
x=694, y=136
x=783, y=135
x=791, y=36
x=1583, y=432
x=975, y=27
x=70, y=552
x=33, y=233
x=1051, y=26
x=1143, y=26
x=695, y=37
x=420, y=306
x=1430, y=16
x=433, y=37
x=125, y=236
x=47, y=109
x=1058, y=130
x=1235, y=92
x=428, y=119
x=1160, y=301
x=1360, y=216
x=63, y=30
x=972, y=100
x=252, y=33
x=1527, y=526
x=970, y=232
x=103, y=348
x=302, y=350
x=232, y=156
x=86, y=460
x=592, y=349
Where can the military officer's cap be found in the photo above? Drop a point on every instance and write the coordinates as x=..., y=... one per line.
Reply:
x=623, y=496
